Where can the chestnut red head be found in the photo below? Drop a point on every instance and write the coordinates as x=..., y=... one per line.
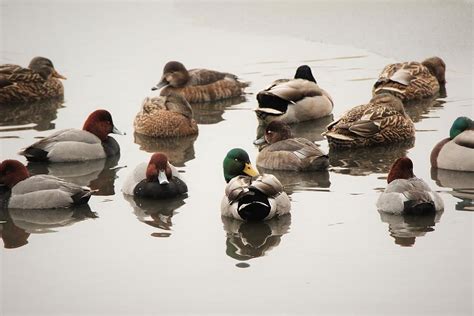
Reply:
x=402, y=168
x=100, y=124
x=12, y=172
x=158, y=169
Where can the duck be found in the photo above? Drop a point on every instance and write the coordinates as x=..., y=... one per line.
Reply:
x=294, y=100
x=157, y=179
x=411, y=81
x=39, y=191
x=406, y=194
x=382, y=121
x=68, y=145
x=40, y=81
x=250, y=196
x=283, y=152
x=165, y=116
x=457, y=151
x=199, y=85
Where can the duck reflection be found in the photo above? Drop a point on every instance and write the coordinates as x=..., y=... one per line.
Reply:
x=294, y=181
x=179, y=150
x=16, y=225
x=98, y=174
x=248, y=240
x=22, y=117
x=311, y=130
x=417, y=110
x=211, y=112
x=405, y=228
x=156, y=213
x=462, y=184
x=367, y=161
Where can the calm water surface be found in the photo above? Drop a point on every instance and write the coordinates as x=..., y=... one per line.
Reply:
x=336, y=254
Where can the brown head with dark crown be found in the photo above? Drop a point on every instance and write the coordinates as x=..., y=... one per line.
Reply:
x=402, y=168
x=174, y=75
x=159, y=169
x=277, y=131
x=100, y=124
x=45, y=68
x=12, y=172
x=437, y=68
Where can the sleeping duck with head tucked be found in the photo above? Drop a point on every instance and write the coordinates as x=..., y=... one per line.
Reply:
x=281, y=151
x=157, y=179
x=165, y=116
x=68, y=145
x=248, y=198
x=199, y=85
x=40, y=81
x=294, y=100
x=381, y=121
x=411, y=81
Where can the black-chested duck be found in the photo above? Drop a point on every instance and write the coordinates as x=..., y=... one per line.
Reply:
x=40, y=81
x=199, y=85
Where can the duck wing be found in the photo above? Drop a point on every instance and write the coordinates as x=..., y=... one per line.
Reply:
x=199, y=77
x=465, y=139
x=301, y=147
x=46, y=191
x=10, y=74
x=292, y=90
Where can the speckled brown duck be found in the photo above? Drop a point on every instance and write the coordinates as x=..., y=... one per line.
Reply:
x=381, y=121
x=199, y=85
x=165, y=116
x=40, y=81
x=411, y=81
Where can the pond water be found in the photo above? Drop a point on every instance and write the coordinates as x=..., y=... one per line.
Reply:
x=336, y=254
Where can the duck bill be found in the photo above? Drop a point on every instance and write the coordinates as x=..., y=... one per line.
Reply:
x=250, y=170
x=162, y=178
x=115, y=130
x=259, y=141
x=56, y=74
x=161, y=84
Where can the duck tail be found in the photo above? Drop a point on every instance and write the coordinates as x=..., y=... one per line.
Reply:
x=83, y=196
x=419, y=208
x=34, y=154
x=253, y=206
x=319, y=163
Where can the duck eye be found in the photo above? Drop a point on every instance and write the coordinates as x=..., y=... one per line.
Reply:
x=236, y=159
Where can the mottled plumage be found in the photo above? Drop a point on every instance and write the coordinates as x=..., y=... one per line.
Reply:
x=294, y=100
x=199, y=85
x=381, y=121
x=412, y=80
x=165, y=116
x=40, y=81
x=284, y=152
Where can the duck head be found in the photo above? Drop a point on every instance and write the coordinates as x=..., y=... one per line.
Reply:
x=159, y=169
x=274, y=132
x=304, y=72
x=12, y=172
x=45, y=68
x=174, y=75
x=402, y=168
x=460, y=125
x=237, y=163
x=437, y=68
x=100, y=124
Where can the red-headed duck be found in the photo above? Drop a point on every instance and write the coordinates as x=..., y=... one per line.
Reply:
x=157, y=179
x=92, y=142
x=407, y=194
x=40, y=191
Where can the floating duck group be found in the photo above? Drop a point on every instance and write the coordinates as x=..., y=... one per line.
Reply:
x=249, y=196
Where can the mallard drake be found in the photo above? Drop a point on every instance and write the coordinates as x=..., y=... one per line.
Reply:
x=457, y=151
x=381, y=121
x=283, y=152
x=23, y=85
x=294, y=100
x=247, y=198
x=407, y=194
x=92, y=142
x=165, y=116
x=40, y=191
x=199, y=85
x=412, y=80
x=157, y=179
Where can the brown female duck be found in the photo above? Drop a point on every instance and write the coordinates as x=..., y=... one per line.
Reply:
x=412, y=80
x=39, y=81
x=199, y=85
